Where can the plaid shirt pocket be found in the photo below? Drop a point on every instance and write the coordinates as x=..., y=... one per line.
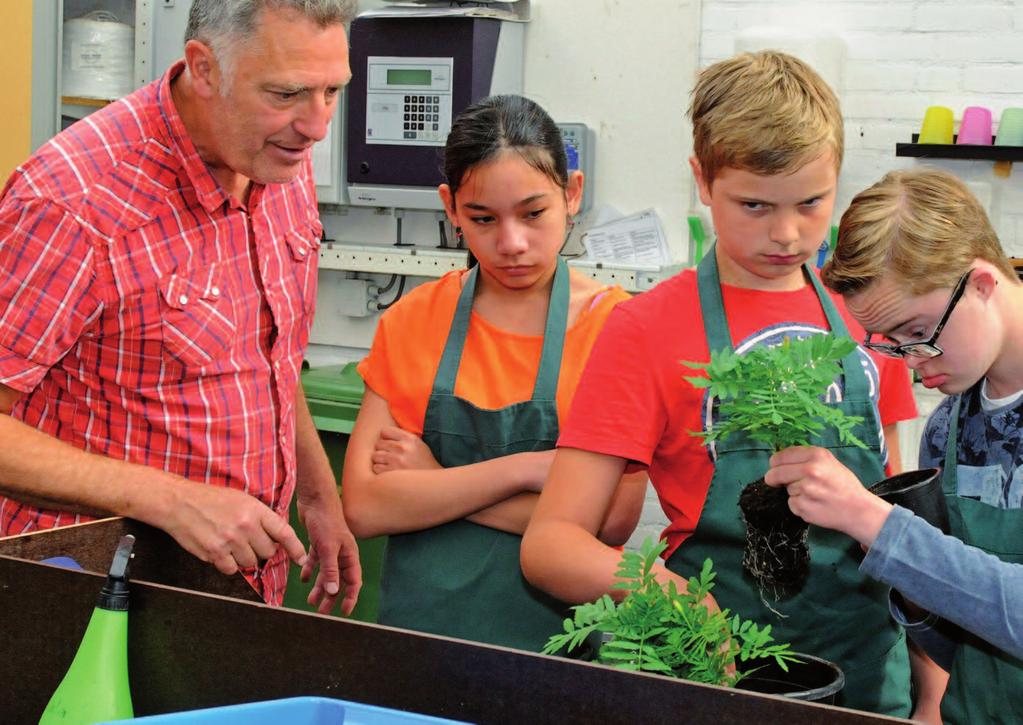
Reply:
x=197, y=319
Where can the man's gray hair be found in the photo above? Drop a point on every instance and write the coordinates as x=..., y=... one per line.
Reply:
x=222, y=24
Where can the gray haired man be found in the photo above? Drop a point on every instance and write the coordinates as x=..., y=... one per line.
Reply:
x=157, y=286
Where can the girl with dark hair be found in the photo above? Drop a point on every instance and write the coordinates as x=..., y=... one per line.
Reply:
x=466, y=382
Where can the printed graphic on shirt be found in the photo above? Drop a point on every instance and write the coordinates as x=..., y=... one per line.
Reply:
x=990, y=458
x=774, y=335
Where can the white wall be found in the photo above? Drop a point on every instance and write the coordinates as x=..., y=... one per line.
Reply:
x=623, y=72
x=902, y=56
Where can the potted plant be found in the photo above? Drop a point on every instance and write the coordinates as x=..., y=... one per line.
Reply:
x=773, y=395
x=660, y=629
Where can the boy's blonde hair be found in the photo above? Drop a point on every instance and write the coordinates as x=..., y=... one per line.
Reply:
x=922, y=225
x=766, y=112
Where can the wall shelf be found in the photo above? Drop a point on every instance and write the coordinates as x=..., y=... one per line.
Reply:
x=953, y=151
x=83, y=101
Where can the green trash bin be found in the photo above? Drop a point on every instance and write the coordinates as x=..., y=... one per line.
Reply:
x=334, y=394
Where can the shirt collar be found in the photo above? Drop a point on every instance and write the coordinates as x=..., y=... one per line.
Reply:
x=210, y=193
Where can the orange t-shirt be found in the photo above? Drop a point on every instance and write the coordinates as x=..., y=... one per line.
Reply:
x=498, y=368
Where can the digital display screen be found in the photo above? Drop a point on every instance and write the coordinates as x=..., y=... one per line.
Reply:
x=409, y=77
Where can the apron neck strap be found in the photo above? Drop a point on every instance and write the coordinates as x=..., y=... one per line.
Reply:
x=951, y=453
x=719, y=336
x=549, y=370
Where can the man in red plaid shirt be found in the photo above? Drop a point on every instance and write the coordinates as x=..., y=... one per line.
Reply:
x=157, y=286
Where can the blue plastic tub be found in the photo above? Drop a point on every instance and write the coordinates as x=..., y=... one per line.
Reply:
x=293, y=711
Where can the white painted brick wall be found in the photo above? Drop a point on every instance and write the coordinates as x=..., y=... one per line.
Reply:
x=902, y=56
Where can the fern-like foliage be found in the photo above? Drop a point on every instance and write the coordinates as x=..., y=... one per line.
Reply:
x=773, y=394
x=660, y=629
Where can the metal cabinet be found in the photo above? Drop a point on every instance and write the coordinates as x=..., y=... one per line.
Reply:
x=158, y=27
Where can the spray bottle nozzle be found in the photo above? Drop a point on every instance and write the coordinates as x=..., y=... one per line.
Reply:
x=115, y=591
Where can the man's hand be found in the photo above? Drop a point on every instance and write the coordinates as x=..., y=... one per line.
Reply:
x=226, y=527
x=397, y=449
x=824, y=492
x=333, y=548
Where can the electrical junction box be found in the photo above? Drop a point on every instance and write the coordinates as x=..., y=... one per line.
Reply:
x=580, y=143
x=412, y=75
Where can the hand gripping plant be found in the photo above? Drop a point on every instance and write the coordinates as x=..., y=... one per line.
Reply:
x=774, y=395
x=657, y=628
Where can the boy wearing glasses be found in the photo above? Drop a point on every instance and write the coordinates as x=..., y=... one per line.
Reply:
x=768, y=142
x=921, y=268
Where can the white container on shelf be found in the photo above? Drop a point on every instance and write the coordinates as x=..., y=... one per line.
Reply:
x=98, y=56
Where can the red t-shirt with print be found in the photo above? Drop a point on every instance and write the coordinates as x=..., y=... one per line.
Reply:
x=633, y=400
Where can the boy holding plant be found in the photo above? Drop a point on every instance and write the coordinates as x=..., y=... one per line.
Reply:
x=923, y=271
x=768, y=141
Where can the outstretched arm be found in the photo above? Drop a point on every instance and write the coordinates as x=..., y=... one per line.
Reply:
x=332, y=547
x=561, y=553
x=939, y=573
x=225, y=527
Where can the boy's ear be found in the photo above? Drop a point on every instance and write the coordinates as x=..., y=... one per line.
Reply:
x=984, y=281
x=447, y=198
x=701, y=184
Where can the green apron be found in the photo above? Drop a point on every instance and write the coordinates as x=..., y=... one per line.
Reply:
x=839, y=614
x=986, y=684
x=461, y=579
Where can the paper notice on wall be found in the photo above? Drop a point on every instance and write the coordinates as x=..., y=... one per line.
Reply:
x=634, y=239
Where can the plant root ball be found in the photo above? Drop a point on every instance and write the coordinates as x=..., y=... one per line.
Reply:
x=776, y=554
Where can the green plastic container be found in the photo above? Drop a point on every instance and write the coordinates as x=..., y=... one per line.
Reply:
x=334, y=394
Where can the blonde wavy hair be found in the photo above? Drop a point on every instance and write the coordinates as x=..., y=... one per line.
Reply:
x=923, y=225
x=766, y=112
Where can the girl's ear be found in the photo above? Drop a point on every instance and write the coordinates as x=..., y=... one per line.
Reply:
x=574, y=192
x=447, y=198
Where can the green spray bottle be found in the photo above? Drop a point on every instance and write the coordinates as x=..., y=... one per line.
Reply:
x=95, y=688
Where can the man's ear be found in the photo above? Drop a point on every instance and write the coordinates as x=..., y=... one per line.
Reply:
x=203, y=68
x=701, y=184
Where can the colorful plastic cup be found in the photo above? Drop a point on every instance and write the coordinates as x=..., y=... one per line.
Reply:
x=975, y=128
x=1010, y=128
x=937, y=125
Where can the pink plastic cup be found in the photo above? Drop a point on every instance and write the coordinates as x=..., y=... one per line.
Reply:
x=975, y=128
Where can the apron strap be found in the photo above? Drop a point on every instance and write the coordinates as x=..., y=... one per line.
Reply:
x=855, y=385
x=451, y=359
x=549, y=370
x=712, y=303
x=719, y=336
x=948, y=474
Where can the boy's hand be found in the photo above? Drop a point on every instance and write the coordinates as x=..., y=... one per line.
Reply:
x=397, y=450
x=824, y=492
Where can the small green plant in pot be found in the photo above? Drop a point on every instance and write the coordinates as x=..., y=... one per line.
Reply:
x=774, y=395
x=657, y=628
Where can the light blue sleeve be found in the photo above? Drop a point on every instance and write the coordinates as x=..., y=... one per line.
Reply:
x=959, y=583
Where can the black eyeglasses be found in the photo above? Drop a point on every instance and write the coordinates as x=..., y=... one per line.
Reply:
x=927, y=348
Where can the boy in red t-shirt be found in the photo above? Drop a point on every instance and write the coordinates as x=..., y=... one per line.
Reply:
x=768, y=141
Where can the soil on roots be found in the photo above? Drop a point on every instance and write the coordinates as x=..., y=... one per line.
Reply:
x=776, y=554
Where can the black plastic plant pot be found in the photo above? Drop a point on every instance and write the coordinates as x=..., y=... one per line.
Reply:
x=812, y=679
x=920, y=492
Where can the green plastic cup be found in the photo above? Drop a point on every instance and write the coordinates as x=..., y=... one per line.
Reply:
x=1010, y=128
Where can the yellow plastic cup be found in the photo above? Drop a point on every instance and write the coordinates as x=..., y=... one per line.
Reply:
x=937, y=126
